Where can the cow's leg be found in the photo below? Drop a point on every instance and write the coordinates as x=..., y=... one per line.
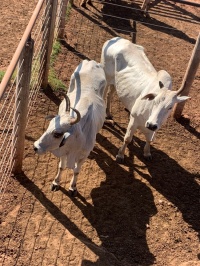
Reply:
x=108, y=99
x=72, y=187
x=127, y=139
x=148, y=136
x=62, y=166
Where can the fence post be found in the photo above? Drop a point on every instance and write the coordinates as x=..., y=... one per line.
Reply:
x=62, y=19
x=21, y=105
x=189, y=77
x=134, y=33
x=48, y=38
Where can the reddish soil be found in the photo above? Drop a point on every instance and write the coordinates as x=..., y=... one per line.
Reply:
x=140, y=213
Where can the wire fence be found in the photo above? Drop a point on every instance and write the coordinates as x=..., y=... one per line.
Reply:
x=26, y=74
x=28, y=71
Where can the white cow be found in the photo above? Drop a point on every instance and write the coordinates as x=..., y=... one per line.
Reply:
x=145, y=92
x=71, y=135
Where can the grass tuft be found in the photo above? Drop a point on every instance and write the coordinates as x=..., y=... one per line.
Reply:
x=2, y=73
x=54, y=82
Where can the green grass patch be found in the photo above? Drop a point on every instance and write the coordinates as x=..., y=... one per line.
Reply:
x=69, y=8
x=54, y=82
x=2, y=73
x=55, y=51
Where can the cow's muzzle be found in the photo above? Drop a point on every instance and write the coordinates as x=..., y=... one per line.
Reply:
x=151, y=126
x=35, y=149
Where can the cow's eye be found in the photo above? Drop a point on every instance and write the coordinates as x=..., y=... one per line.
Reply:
x=169, y=108
x=57, y=135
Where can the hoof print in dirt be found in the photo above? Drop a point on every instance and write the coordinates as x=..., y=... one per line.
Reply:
x=55, y=187
x=73, y=193
x=119, y=160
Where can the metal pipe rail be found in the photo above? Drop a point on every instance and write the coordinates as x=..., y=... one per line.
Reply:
x=19, y=49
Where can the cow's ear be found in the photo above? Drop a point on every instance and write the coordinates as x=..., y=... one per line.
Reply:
x=65, y=136
x=161, y=84
x=49, y=117
x=149, y=96
x=182, y=98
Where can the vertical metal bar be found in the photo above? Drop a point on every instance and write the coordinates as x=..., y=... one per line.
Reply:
x=48, y=39
x=189, y=77
x=62, y=19
x=21, y=104
x=133, y=34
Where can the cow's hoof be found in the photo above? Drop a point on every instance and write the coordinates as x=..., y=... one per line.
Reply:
x=119, y=159
x=73, y=193
x=54, y=187
x=148, y=157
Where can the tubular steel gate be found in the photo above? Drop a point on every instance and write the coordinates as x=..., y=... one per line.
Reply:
x=26, y=74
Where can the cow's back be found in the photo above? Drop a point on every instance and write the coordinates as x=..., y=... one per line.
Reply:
x=127, y=68
x=86, y=89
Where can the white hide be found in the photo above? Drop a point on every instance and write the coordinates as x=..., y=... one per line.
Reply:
x=86, y=95
x=145, y=92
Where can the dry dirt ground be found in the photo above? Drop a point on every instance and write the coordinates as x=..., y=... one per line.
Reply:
x=140, y=213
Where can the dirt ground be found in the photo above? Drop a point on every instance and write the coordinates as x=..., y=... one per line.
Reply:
x=137, y=214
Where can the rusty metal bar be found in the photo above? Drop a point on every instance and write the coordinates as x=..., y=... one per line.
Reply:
x=19, y=49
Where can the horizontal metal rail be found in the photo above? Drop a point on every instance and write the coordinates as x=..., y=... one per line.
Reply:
x=19, y=49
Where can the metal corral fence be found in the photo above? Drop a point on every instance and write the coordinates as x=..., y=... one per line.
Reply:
x=26, y=74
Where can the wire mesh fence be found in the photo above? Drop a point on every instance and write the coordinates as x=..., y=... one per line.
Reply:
x=48, y=216
x=114, y=19
x=19, y=96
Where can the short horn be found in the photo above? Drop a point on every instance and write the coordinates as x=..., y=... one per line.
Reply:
x=178, y=92
x=67, y=101
x=77, y=119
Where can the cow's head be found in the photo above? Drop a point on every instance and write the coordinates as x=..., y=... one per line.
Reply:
x=163, y=103
x=59, y=130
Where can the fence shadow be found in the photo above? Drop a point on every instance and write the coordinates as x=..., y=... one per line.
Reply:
x=111, y=18
x=73, y=50
x=170, y=179
x=84, y=12
x=175, y=183
x=64, y=220
x=120, y=211
x=186, y=123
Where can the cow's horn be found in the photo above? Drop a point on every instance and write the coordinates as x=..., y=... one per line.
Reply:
x=67, y=101
x=77, y=119
x=178, y=92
